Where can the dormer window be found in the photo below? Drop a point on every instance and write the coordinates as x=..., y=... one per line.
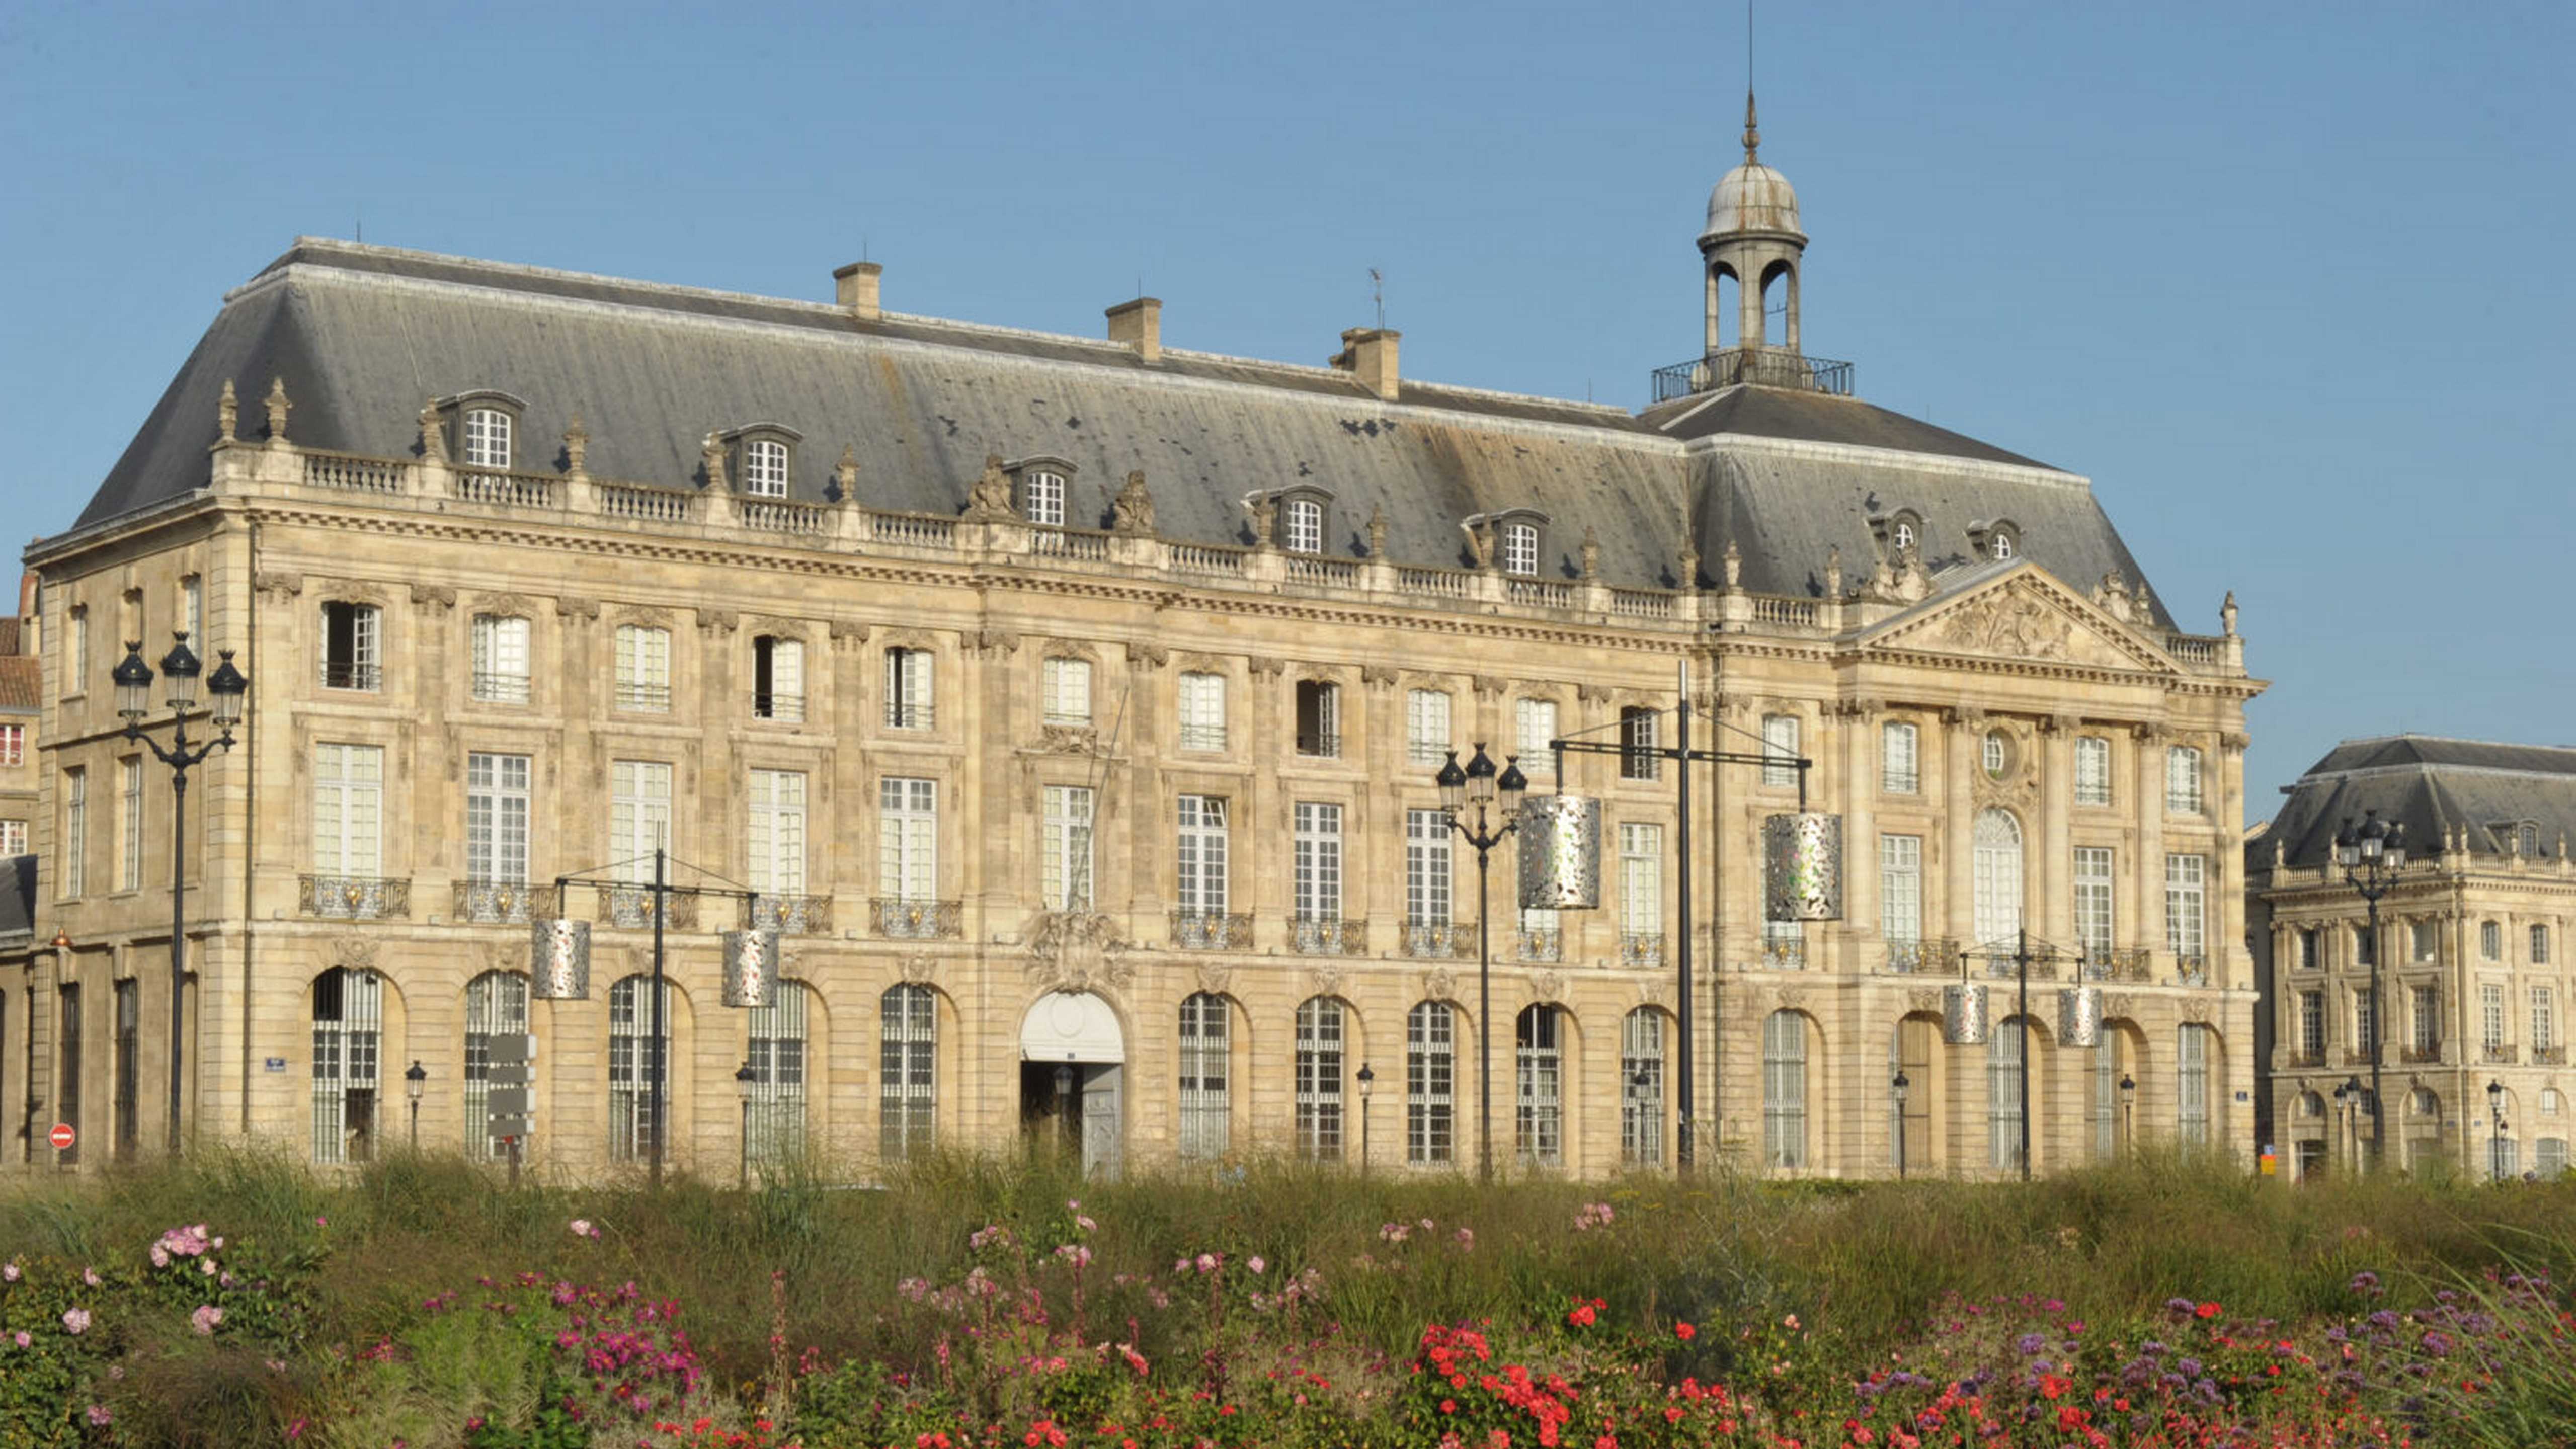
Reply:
x=483, y=428
x=487, y=438
x=764, y=468
x=1042, y=499
x=2001, y=545
x=1520, y=549
x=1302, y=526
x=1997, y=541
x=1900, y=531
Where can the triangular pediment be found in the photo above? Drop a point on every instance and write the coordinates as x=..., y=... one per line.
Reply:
x=2023, y=615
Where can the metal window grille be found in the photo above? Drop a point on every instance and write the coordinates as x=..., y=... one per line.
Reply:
x=1068, y=692
x=129, y=1044
x=1539, y=1125
x=643, y=668
x=1044, y=496
x=1536, y=719
x=764, y=468
x=1641, y=879
x=778, y=679
x=1065, y=883
x=1199, y=853
x=1202, y=711
x=1779, y=749
x=1427, y=868
x=1784, y=1090
x=1640, y=734
x=1997, y=877
x=1206, y=1070
x=2191, y=1065
x=1319, y=1079
x=1900, y=888
x=1641, y=1088
x=2549, y=1158
x=1899, y=761
x=67, y=1095
x=775, y=1052
x=1426, y=726
x=496, y=819
x=1319, y=861
x=500, y=660
x=2105, y=1106
x=639, y=816
x=348, y=805
x=2182, y=780
x=908, y=689
x=487, y=438
x=348, y=1026
x=2092, y=770
x=2186, y=905
x=2312, y=1025
x=907, y=1072
x=496, y=1004
x=2004, y=1105
x=1305, y=520
x=1430, y=1083
x=777, y=832
x=907, y=838
x=2093, y=899
x=129, y=853
x=635, y=1057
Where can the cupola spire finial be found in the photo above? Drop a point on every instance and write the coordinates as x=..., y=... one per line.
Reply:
x=1752, y=131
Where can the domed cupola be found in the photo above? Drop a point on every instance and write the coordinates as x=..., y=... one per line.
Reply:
x=1754, y=239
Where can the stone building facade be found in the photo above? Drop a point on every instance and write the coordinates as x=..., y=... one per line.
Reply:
x=2472, y=959
x=1075, y=704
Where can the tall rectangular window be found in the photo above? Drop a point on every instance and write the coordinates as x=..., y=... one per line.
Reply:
x=1900, y=889
x=2312, y=1025
x=2093, y=900
x=76, y=653
x=1784, y=1089
x=1318, y=862
x=2544, y=1020
x=2428, y=1019
x=2365, y=1019
x=192, y=610
x=1319, y=718
x=1900, y=770
x=1426, y=726
x=1065, y=880
x=1203, y=711
x=1430, y=1081
x=500, y=660
x=2004, y=1104
x=907, y=839
x=352, y=646
x=67, y=1092
x=639, y=815
x=2092, y=770
x=1067, y=692
x=907, y=692
x=2427, y=940
x=1538, y=1134
x=1779, y=749
x=764, y=468
x=2186, y=906
x=778, y=679
x=2491, y=940
x=1640, y=735
x=2540, y=945
x=643, y=668
x=13, y=745
x=2491, y=1016
x=1534, y=724
x=13, y=837
x=129, y=824
x=1319, y=1079
x=2192, y=1078
x=1199, y=855
x=1427, y=876
x=2182, y=780
x=907, y=1071
x=75, y=847
x=1641, y=880
x=1305, y=526
x=1206, y=1070
x=1641, y=1088
x=496, y=819
x=129, y=1052
x=348, y=810
x=776, y=846
x=2308, y=949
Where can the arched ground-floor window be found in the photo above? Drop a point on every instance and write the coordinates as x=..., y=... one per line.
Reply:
x=1784, y=1090
x=496, y=1004
x=775, y=1053
x=1539, y=1135
x=1641, y=1088
x=1430, y=1083
x=348, y=1031
x=1206, y=1076
x=907, y=1071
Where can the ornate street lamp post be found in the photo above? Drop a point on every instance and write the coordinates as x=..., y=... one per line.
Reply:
x=1898, y=1089
x=744, y=1078
x=2495, y=1139
x=2128, y=1112
x=227, y=689
x=413, y=1080
x=2370, y=858
x=1479, y=785
x=1368, y=1082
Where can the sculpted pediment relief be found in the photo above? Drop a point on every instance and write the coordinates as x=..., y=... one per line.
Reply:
x=2022, y=619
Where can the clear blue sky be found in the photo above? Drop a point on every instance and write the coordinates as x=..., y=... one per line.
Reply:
x=2291, y=284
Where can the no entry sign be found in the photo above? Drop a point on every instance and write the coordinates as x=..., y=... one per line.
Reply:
x=62, y=1137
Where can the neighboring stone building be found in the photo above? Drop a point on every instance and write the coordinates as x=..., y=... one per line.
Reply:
x=21, y=691
x=2473, y=961
x=1081, y=699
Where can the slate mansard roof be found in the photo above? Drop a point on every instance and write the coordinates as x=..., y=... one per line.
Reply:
x=363, y=335
x=2433, y=787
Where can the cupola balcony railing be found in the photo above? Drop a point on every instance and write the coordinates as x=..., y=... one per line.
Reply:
x=1761, y=366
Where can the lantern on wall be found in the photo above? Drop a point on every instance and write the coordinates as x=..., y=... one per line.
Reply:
x=559, y=960
x=1963, y=1014
x=1802, y=867
x=2079, y=1016
x=1560, y=853
x=750, y=968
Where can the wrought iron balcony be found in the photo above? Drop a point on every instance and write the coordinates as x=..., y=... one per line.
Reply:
x=1762, y=366
x=2004, y=966
x=1437, y=939
x=2421, y=1054
x=2118, y=963
x=2191, y=968
x=490, y=688
x=352, y=897
x=2549, y=1056
x=1211, y=931
x=499, y=902
x=344, y=674
x=2503, y=1056
x=1908, y=957
x=1320, y=744
x=786, y=708
x=794, y=915
x=1541, y=943
x=649, y=698
x=1784, y=953
x=2303, y=1059
x=1641, y=948
x=909, y=920
x=1326, y=936
x=631, y=907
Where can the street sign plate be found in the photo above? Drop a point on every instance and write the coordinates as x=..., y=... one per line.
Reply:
x=512, y=1047
x=62, y=1137
x=509, y=1126
x=506, y=1101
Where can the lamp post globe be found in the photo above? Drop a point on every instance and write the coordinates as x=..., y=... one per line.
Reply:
x=1480, y=776
x=180, y=669
x=1453, y=784
x=229, y=690
x=133, y=680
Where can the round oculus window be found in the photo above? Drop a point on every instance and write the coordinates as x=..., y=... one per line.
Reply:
x=1998, y=754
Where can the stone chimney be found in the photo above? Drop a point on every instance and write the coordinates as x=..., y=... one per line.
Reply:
x=1369, y=352
x=855, y=288
x=1139, y=324
x=27, y=595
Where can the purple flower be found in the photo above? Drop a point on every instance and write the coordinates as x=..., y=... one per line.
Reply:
x=2181, y=1307
x=2188, y=1367
x=2437, y=1344
x=2365, y=1282
x=2029, y=1344
x=99, y=1415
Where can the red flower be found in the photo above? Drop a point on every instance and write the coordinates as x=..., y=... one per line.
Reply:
x=1684, y=1332
x=1581, y=1317
x=2206, y=1310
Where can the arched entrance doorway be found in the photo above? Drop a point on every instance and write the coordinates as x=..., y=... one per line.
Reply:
x=1072, y=1077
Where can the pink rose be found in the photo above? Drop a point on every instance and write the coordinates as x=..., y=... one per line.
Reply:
x=206, y=1317
x=1256, y=1265
x=76, y=1320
